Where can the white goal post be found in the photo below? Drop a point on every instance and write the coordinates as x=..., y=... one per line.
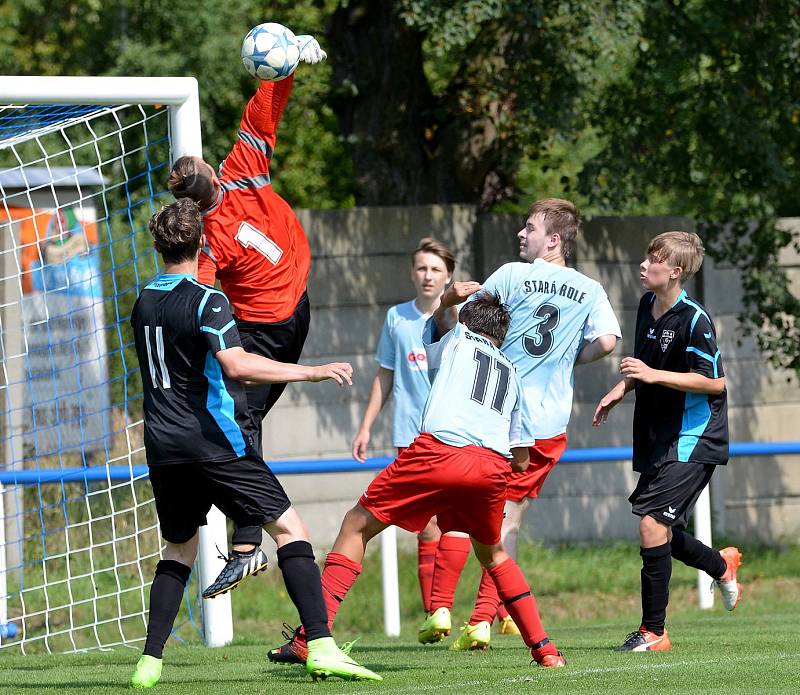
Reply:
x=180, y=96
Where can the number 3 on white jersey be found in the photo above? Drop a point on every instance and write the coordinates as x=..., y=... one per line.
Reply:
x=248, y=236
x=160, y=354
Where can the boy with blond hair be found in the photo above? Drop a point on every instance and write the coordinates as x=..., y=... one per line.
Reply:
x=680, y=430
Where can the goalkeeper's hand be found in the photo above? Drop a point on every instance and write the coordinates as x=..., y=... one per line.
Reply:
x=310, y=51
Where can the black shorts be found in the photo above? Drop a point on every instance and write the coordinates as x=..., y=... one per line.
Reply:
x=282, y=341
x=245, y=490
x=668, y=493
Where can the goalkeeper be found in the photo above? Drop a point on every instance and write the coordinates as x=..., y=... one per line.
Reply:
x=257, y=249
x=199, y=442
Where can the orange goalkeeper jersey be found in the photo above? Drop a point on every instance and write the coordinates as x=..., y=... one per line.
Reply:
x=255, y=245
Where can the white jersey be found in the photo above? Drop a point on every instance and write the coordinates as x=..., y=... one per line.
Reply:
x=475, y=395
x=554, y=309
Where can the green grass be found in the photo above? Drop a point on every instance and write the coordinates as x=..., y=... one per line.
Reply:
x=589, y=600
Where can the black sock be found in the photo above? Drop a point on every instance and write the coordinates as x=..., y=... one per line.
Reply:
x=692, y=552
x=656, y=573
x=166, y=593
x=302, y=579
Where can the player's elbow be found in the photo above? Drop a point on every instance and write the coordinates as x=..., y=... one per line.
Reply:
x=718, y=386
x=607, y=344
x=234, y=364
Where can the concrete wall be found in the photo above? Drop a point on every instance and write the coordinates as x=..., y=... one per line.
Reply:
x=361, y=267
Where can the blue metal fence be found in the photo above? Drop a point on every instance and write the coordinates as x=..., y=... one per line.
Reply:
x=42, y=476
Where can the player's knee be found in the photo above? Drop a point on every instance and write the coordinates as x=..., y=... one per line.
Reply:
x=490, y=555
x=356, y=520
x=289, y=525
x=185, y=553
x=652, y=532
x=431, y=532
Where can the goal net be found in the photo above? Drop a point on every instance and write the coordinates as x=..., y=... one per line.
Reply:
x=83, y=166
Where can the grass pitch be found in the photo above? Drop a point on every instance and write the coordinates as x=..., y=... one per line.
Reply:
x=589, y=602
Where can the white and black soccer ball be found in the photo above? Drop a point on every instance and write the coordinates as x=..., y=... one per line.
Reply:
x=270, y=52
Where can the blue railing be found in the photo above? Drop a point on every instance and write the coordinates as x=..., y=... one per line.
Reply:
x=43, y=476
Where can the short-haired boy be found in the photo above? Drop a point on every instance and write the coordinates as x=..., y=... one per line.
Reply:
x=456, y=468
x=199, y=442
x=680, y=430
x=403, y=374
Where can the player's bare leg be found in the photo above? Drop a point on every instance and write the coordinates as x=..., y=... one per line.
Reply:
x=166, y=593
x=520, y=602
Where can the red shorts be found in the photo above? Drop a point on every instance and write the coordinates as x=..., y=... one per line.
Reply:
x=544, y=455
x=463, y=487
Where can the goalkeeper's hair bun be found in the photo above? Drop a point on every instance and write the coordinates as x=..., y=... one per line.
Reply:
x=185, y=181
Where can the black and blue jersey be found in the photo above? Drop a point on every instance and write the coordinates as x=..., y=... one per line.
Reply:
x=671, y=425
x=192, y=411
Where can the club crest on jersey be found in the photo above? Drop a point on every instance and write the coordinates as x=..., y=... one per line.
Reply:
x=417, y=359
x=666, y=339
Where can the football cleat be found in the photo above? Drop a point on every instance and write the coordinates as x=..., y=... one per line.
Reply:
x=326, y=660
x=546, y=655
x=436, y=626
x=729, y=588
x=509, y=627
x=147, y=673
x=239, y=566
x=295, y=651
x=645, y=641
x=556, y=660
x=473, y=637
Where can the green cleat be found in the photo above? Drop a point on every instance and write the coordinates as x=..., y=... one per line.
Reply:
x=325, y=659
x=147, y=673
x=473, y=637
x=436, y=627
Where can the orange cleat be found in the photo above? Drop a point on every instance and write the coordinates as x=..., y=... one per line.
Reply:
x=729, y=588
x=553, y=661
x=645, y=641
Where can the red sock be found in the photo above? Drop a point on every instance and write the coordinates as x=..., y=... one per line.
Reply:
x=502, y=613
x=486, y=602
x=521, y=604
x=426, y=558
x=451, y=555
x=339, y=575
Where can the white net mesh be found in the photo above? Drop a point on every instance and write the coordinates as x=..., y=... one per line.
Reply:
x=79, y=537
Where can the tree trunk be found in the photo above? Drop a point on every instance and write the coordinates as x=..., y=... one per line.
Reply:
x=402, y=153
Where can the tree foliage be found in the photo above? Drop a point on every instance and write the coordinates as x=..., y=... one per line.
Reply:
x=709, y=111
x=443, y=99
x=199, y=39
x=679, y=106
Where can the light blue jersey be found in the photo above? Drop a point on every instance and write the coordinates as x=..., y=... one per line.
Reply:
x=554, y=309
x=476, y=393
x=401, y=349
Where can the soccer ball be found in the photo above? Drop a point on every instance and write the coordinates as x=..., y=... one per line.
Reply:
x=270, y=52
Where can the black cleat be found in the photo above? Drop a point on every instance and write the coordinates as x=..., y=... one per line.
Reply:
x=295, y=651
x=239, y=566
